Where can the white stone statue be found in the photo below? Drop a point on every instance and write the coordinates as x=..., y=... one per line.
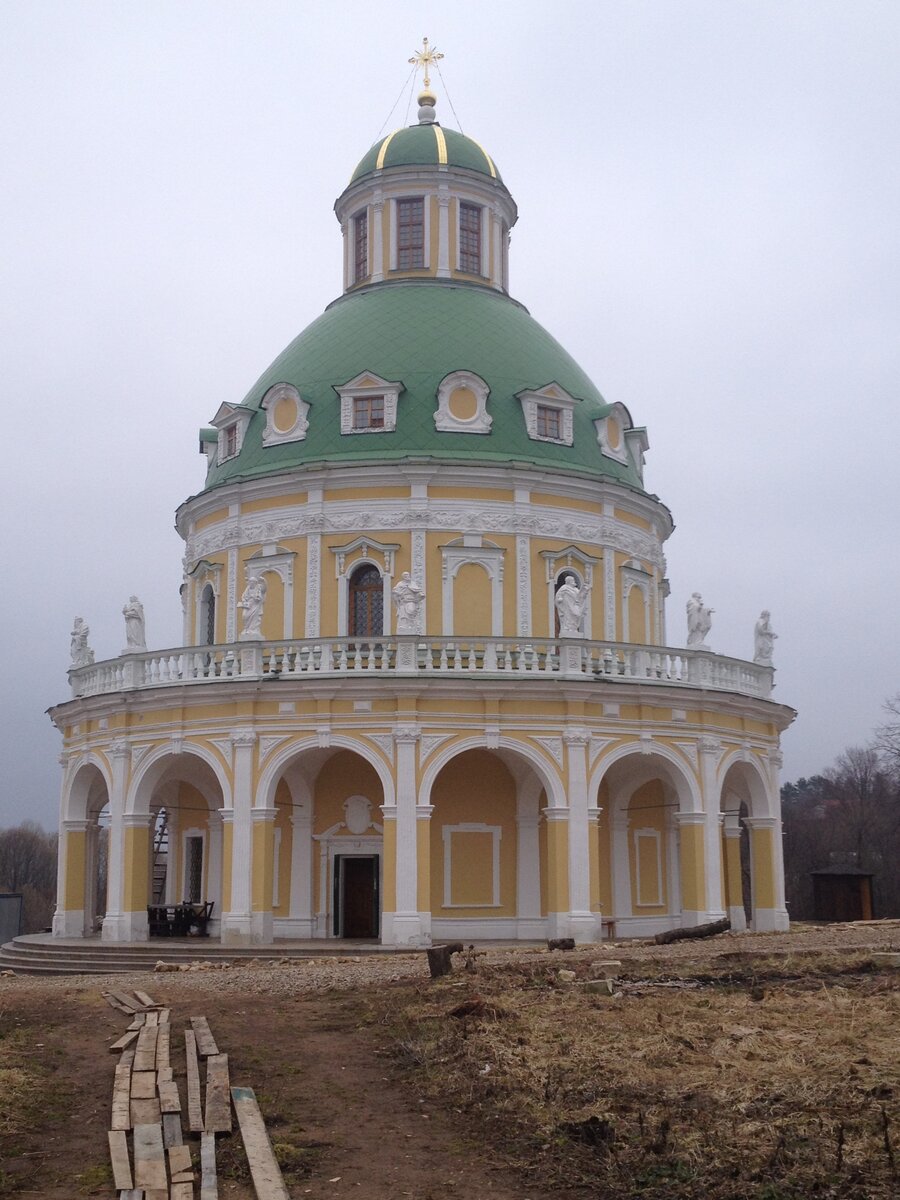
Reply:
x=408, y=600
x=82, y=654
x=699, y=622
x=764, y=640
x=251, y=603
x=135, y=636
x=571, y=601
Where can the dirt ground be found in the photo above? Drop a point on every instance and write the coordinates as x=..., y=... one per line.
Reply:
x=372, y=1088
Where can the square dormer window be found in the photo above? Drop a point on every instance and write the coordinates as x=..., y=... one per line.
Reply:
x=547, y=422
x=470, y=238
x=360, y=247
x=230, y=423
x=548, y=414
x=410, y=233
x=369, y=404
x=368, y=412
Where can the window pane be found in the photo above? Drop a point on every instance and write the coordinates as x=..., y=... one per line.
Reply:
x=361, y=247
x=368, y=412
x=470, y=238
x=410, y=233
x=548, y=422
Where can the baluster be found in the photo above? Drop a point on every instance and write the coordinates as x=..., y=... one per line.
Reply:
x=457, y=659
x=370, y=658
x=471, y=664
x=443, y=662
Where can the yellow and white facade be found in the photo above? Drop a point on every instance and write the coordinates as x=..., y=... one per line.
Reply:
x=488, y=773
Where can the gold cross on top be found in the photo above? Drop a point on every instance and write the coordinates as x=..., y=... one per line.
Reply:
x=424, y=58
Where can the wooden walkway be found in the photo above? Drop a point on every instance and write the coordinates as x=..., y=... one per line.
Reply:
x=153, y=1156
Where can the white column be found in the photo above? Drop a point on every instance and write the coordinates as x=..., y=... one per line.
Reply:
x=214, y=870
x=529, y=921
x=731, y=831
x=301, y=922
x=406, y=925
x=377, y=240
x=113, y=928
x=582, y=922
x=443, y=262
x=710, y=753
x=621, y=870
x=236, y=923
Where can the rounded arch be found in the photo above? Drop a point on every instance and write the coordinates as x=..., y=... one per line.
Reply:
x=739, y=779
x=661, y=760
x=154, y=766
x=284, y=758
x=365, y=599
x=552, y=784
x=83, y=780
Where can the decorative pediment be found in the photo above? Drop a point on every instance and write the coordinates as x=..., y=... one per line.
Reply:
x=286, y=415
x=231, y=420
x=369, y=404
x=548, y=413
x=365, y=546
x=462, y=404
x=567, y=558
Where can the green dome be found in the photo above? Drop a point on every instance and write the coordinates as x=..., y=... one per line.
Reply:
x=426, y=145
x=417, y=333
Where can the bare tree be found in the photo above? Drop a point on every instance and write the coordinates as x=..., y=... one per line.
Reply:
x=28, y=865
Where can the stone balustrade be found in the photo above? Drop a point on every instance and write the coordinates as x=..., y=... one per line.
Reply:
x=412, y=654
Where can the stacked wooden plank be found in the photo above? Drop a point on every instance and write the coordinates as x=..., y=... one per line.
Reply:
x=146, y=1107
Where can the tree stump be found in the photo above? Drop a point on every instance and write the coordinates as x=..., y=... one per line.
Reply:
x=439, y=962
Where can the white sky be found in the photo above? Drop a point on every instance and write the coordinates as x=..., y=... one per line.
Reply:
x=709, y=196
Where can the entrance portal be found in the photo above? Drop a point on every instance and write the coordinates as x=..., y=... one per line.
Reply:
x=356, y=900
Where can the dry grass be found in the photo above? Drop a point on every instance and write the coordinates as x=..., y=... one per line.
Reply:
x=765, y=1077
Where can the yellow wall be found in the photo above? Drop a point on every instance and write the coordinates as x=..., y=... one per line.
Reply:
x=763, y=879
x=137, y=868
x=556, y=857
x=637, y=617
x=475, y=788
x=692, y=865
x=471, y=602
x=76, y=846
x=646, y=811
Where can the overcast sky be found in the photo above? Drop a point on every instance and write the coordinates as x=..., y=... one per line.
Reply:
x=709, y=196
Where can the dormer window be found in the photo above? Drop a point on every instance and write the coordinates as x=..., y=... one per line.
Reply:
x=410, y=233
x=231, y=423
x=548, y=414
x=368, y=413
x=360, y=247
x=369, y=404
x=547, y=422
x=470, y=238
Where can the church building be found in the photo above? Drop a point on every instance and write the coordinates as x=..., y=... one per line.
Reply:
x=425, y=689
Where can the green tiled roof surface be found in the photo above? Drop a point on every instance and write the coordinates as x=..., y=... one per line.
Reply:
x=417, y=146
x=417, y=333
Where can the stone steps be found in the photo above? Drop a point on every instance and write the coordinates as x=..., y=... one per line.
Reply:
x=40, y=955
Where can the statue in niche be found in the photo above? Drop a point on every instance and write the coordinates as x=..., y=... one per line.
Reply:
x=699, y=622
x=764, y=640
x=408, y=600
x=571, y=601
x=251, y=603
x=135, y=636
x=82, y=654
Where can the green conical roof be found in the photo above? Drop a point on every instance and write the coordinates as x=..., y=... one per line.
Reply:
x=418, y=332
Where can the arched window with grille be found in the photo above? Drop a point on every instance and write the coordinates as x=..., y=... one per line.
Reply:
x=208, y=616
x=366, y=607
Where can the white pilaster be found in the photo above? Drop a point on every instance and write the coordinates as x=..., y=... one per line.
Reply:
x=377, y=239
x=582, y=922
x=236, y=929
x=443, y=262
x=710, y=753
x=407, y=923
x=111, y=928
x=301, y=921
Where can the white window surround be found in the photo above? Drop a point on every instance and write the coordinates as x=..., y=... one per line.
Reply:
x=425, y=197
x=204, y=573
x=446, y=421
x=272, y=436
x=334, y=841
x=369, y=384
x=472, y=548
x=485, y=235
x=231, y=414
x=274, y=558
x=379, y=555
x=656, y=838
x=447, y=832
x=619, y=440
x=551, y=395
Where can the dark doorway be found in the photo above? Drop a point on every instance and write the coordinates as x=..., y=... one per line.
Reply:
x=356, y=907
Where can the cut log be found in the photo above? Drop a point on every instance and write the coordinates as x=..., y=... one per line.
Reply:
x=152, y=1017
x=145, y=1112
x=209, y=1184
x=114, y=1002
x=439, y=961
x=143, y=1085
x=138, y=1020
x=172, y=1134
x=149, y=1157
x=145, y=1049
x=169, y=1101
x=181, y=1191
x=145, y=1000
x=206, y=1043
x=179, y=1159
x=266, y=1173
x=118, y=1157
x=164, y=1074
x=692, y=931
x=163, y=1042
x=195, y=1111
x=218, y=1100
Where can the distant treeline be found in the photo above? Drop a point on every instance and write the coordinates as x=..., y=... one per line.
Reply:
x=28, y=865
